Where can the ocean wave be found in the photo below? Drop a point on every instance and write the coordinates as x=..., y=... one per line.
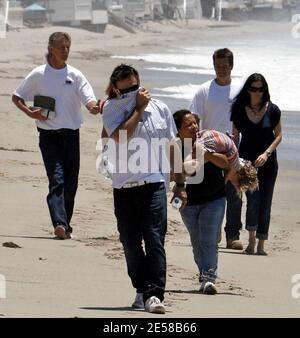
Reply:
x=277, y=61
x=202, y=71
x=185, y=92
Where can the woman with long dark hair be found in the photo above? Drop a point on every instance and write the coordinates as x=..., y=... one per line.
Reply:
x=257, y=120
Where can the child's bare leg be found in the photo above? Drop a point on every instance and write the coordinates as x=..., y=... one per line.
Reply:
x=220, y=234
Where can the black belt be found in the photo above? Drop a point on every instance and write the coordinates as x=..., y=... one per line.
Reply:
x=55, y=131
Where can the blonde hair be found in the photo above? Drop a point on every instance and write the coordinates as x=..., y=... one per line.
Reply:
x=248, y=177
x=54, y=37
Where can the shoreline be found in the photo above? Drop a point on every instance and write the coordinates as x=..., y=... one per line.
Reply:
x=93, y=266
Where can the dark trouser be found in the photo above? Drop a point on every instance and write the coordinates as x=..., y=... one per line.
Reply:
x=141, y=213
x=60, y=151
x=233, y=213
x=259, y=204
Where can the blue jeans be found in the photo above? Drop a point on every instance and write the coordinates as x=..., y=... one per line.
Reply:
x=203, y=223
x=141, y=214
x=60, y=152
x=259, y=203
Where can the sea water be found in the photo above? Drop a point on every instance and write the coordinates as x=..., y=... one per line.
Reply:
x=175, y=74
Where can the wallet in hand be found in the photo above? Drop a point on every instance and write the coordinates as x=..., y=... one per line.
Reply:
x=47, y=103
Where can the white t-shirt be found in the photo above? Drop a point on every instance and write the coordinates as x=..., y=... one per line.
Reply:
x=156, y=124
x=212, y=103
x=67, y=86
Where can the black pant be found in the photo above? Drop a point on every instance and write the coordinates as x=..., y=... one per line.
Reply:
x=259, y=204
x=267, y=175
x=142, y=216
x=233, y=213
x=61, y=156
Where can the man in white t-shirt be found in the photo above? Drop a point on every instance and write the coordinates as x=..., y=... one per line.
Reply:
x=58, y=124
x=140, y=200
x=212, y=103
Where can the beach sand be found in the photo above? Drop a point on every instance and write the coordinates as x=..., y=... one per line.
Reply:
x=87, y=277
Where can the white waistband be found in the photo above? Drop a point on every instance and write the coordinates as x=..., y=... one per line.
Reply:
x=134, y=184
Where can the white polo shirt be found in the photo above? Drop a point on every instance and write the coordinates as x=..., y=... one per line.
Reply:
x=156, y=124
x=212, y=103
x=67, y=86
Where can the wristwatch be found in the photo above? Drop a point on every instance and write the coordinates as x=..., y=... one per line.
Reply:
x=269, y=153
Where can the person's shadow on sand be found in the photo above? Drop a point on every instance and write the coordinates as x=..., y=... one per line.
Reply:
x=129, y=308
x=28, y=237
x=230, y=251
x=196, y=292
x=110, y=308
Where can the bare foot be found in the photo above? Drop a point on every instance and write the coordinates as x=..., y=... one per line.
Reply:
x=252, y=241
x=261, y=252
x=260, y=248
x=249, y=250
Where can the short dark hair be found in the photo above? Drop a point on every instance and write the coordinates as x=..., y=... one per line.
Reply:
x=224, y=53
x=179, y=115
x=121, y=72
x=243, y=97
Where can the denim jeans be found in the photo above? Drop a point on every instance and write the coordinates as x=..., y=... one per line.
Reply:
x=203, y=223
x=141, y=214
x=233, y=213
x=259, y=203
x=60, y=152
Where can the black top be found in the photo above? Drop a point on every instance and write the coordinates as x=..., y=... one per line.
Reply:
x=256, y=138
x=211, y=188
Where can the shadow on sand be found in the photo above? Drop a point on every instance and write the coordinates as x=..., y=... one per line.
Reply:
x=29, y=237
x=110, y=308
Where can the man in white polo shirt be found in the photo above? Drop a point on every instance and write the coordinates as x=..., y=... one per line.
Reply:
x=66, y=89
x=140, y=191
x=212, y=103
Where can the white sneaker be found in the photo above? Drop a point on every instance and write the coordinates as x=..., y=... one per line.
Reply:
x=208, y=288
x=154, y=305
x=138, y=302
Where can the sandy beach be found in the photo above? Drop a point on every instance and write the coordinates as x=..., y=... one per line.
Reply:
x=87, y=277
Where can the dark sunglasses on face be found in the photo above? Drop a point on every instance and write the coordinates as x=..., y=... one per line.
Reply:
x=130, y=89
x=256, y=89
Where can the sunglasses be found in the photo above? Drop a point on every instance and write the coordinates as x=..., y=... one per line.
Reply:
x=130, y=89
x=256, y=89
